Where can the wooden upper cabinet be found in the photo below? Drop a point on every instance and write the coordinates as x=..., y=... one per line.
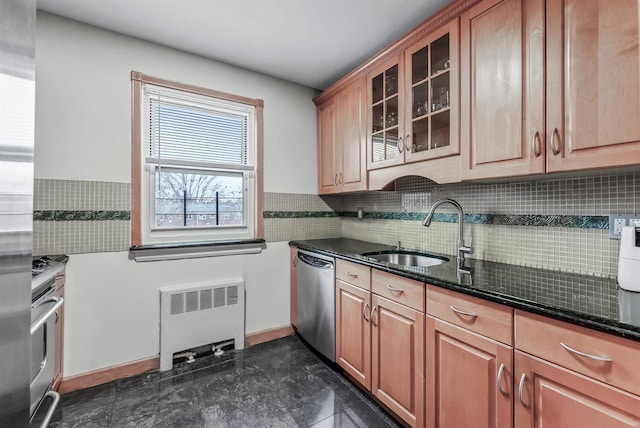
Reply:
x=502, y=88
x=341, y=141
x=385, y=100
x=590, y=78
x=351, y=137
x=413, y=102
x=593, y=84
x=432, y=95
x=327, y=168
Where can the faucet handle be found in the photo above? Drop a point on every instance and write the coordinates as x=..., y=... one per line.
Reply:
x=465, y=249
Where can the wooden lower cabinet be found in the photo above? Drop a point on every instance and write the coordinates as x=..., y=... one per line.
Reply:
x=469, y=378
x=397, y=359
x=353, y=332
x=380, y=344
x=293, y=283
x=554, y=397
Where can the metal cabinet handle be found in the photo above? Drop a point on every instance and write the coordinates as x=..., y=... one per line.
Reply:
x=400, y=144
x=535, y=144
x=461, y=312
x=523, y=379
x=52, y=409
x=373, y=311
x=583, y=354
x=335, y=181
x=499, y=380
x=364, y=312
x=40, y=321
x=395, y=290
x=554, y=144
x=407, y=142
x=340, y=178
x=295, y=260
x=352, y=275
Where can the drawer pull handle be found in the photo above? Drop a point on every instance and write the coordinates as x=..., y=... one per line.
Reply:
x=554, y=144
x=523, y=379
x=364, y=312
x=373, y=312
x=583, y=354
x=500, y=373
x=352, y=275
x=534, y=144
x=395, y=290
x=461, y=312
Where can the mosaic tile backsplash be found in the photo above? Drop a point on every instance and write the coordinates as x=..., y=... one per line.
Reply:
x=557, y=224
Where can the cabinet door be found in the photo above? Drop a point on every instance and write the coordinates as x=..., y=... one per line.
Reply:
x=555, y=397
x=432, y=96
x=502, y=99
x=352, y=174
x=593, y=84
x=353, y=332
x=293, y=281
x=469, y=378
x=327, y=170
x=385, y=98
x=398, y=359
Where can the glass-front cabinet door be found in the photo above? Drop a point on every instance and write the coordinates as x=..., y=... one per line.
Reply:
x=386, y=110
x=432, y=92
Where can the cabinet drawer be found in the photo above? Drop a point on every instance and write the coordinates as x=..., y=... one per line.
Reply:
x=562, y=343
x=354, y=274
x=402, y=290
x=486, y=318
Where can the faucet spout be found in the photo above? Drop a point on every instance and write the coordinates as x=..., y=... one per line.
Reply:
x=462, y=249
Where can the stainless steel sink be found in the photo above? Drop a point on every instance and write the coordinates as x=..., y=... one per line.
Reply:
x=406, y=258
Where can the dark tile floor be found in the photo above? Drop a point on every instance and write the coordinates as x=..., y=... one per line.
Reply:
x=275, y=384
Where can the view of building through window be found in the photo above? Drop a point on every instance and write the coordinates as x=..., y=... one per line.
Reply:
x=197, y=199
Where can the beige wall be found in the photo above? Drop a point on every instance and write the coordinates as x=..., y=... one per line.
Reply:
x=83, y=126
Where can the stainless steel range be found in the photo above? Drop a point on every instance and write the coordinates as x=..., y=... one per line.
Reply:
x=44, y=307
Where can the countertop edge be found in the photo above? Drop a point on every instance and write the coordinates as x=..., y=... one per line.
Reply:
x=581, y=319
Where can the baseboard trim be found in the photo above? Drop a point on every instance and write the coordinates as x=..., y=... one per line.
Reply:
x=267, y=335
x=108, y=374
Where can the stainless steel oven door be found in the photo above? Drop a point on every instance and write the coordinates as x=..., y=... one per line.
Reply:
x=43, y=346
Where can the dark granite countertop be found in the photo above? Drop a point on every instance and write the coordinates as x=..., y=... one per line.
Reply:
x=585, y=300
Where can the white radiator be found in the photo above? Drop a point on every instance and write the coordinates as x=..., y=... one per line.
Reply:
x=197, y=315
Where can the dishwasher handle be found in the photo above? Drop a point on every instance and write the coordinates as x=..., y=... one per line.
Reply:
x=316, y=262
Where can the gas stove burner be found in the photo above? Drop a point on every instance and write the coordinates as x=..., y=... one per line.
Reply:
x=40, y=264
x=43, y=272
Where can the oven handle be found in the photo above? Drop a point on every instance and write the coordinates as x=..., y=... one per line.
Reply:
x=58, y=302
x=54, y=405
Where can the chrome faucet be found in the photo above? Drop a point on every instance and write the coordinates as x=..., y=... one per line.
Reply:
x=462, y=249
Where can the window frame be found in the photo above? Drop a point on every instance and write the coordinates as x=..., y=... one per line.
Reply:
x=138, y=80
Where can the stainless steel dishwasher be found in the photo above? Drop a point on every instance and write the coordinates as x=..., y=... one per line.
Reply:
x=316, y=302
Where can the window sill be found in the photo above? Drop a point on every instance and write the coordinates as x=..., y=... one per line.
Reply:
x=158, y=252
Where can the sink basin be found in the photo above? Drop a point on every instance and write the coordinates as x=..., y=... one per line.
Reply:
x=406, y=258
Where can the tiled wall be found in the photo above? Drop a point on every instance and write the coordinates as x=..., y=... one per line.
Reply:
x=73, y=217
x=570, y=232
x=557, y=224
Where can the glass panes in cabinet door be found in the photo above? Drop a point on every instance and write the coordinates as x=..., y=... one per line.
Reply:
x=430, y=96
x=440, y=93
x=384, y=115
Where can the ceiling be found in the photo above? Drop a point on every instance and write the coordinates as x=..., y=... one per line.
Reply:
x=311, y=42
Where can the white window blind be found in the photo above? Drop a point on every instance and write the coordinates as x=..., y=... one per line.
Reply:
x=185, y=129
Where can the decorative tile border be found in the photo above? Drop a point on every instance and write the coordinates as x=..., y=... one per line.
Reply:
x=299, y=214
x=55, y=215
x=580, y=222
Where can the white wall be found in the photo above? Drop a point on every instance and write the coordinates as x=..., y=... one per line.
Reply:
x=83, y=132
